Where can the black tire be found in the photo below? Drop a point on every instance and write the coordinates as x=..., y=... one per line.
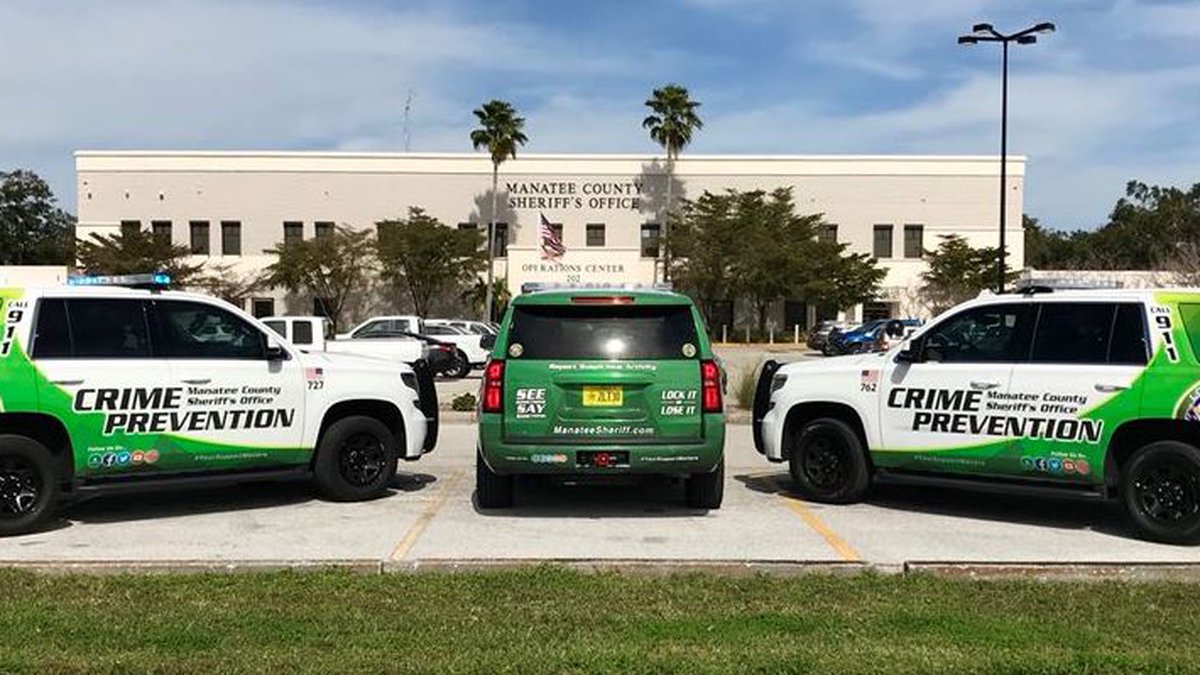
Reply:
x=1160, y=488
x=828, y=463
x=706, y=490
x=356, y=459
x=492, y=491
x=462, y=366
x=29, y=486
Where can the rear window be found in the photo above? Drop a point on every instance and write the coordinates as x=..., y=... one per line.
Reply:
x=603, y=333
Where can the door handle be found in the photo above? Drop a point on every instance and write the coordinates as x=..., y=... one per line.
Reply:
x=199, y=380
x=1109, y=388
x=977, y=384
x=68, y=383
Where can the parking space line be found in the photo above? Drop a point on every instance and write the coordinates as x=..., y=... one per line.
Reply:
x=839, y=545
x=431, y=509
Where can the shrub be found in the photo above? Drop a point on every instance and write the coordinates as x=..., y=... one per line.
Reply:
x=743, y=393
x=463, y=402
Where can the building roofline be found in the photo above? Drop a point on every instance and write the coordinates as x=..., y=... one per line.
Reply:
x=324, y=154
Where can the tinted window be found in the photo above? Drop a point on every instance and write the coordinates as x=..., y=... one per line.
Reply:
x=1073, y=332
x=194, y=330
x=991, y=334
x=302, y=333
x=53, y=336
x=1128, y=344
x=440, y=330
x=610, y=333
x=108, y=329
x=380, y=326
x=277, y=326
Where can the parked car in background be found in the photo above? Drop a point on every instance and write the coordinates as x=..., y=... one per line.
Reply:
x=474, y=348
x=445, y=358
x=382, y=324
x=313, y=333
x=868, y=337
x=466, y=325
x=820, y=333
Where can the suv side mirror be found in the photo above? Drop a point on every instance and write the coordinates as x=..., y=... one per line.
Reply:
x=911, y=352
x=275, y=351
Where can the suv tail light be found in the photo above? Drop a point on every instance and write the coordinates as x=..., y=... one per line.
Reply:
x=493, y=387
x=710, y=387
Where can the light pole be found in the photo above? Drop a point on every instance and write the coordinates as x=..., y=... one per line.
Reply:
x=984, y=32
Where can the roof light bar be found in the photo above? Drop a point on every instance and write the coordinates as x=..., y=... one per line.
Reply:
x=540, y=286
x=156, y=280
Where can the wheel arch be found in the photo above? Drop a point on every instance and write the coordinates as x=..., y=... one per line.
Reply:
x=48, y=431
x=804, y=412
x=1135, y=434
x=384, y=411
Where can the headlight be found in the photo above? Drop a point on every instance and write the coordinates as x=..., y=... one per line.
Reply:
x=777, y=382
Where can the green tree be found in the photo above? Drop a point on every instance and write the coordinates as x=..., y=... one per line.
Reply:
x=136, y=252
x=224, y=281
x=957, y=272
x=500, y=132
x=33, y=230
x=331, y=269
x=427, y=258
x=672, y=123
x=754, y=246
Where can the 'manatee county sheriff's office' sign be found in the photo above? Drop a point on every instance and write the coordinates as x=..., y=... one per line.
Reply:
x=590, y=194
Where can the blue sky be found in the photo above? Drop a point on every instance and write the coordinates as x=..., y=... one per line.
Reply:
x=1113, y=95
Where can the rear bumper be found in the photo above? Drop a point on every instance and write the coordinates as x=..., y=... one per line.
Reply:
x=564, y=459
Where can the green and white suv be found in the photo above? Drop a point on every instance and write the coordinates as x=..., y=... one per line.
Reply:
x=1088, y=392
x=118, y=389
x=591, y=382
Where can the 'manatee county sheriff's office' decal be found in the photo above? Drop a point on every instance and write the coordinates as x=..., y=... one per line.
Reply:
x=1027, y=415
x=157, y=410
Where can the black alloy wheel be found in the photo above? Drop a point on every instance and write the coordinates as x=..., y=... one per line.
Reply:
x=1168, y=492
x=828, y=463
x=824, y=459
x=21, y=485
x=361, y=459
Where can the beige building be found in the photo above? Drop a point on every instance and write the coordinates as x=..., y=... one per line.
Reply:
x=230, y=207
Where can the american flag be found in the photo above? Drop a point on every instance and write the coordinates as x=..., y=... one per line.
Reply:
x=552, y=246
x=314, y=373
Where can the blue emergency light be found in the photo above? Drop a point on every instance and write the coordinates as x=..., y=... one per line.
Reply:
x=157, y=280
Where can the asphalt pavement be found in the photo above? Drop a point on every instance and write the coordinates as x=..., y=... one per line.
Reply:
x=430, y=520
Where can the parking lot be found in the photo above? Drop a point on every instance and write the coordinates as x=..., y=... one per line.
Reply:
x=429, y=520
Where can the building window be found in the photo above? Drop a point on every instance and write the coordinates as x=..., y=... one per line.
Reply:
x=468, y=226
x=500, y=245
x=231, y=237
x=323, y=229
x=261, y=307
x=199, y=237
x=161, y=230
x=130, y=227
x=650, y=239
x=827, y=234
x=595, y=234
x=914, y=241
x=883, y=241
x=293, y=231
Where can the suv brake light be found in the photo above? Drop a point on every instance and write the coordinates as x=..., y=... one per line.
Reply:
x=602, y=300
x=493, y=387
x=710, y=387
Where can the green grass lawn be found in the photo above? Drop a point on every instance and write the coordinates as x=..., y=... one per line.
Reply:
x=547, y=619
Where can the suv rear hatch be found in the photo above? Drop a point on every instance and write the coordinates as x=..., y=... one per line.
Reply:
x=594, y=374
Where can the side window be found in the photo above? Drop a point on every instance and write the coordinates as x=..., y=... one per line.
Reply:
x=108, y=329
x=52, y=336
x=989, y=334
x=195, y=330
x=379, y=326
x=302, y=333
x=1073, y=332
x=279, y=327
x=1129, y=345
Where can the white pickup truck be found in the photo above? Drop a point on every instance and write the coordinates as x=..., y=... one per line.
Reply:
x=472, y=348
x=314, y=333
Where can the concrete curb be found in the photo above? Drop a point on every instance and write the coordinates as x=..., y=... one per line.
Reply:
x=983, y=571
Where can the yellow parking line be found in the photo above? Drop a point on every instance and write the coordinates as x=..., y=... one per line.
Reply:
x=835, y=542
x=427, y=514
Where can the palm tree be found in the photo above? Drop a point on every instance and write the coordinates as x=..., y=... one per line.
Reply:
x=672, y=122
x=500, y=133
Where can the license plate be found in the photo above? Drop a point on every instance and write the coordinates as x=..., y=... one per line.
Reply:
x=603, y=396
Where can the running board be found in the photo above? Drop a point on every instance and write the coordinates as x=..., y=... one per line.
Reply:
x=192, y=480
x=991, y=485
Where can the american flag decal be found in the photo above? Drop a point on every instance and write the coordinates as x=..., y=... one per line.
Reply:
x=314, y=373
x=870, y=377
x=552, y=245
